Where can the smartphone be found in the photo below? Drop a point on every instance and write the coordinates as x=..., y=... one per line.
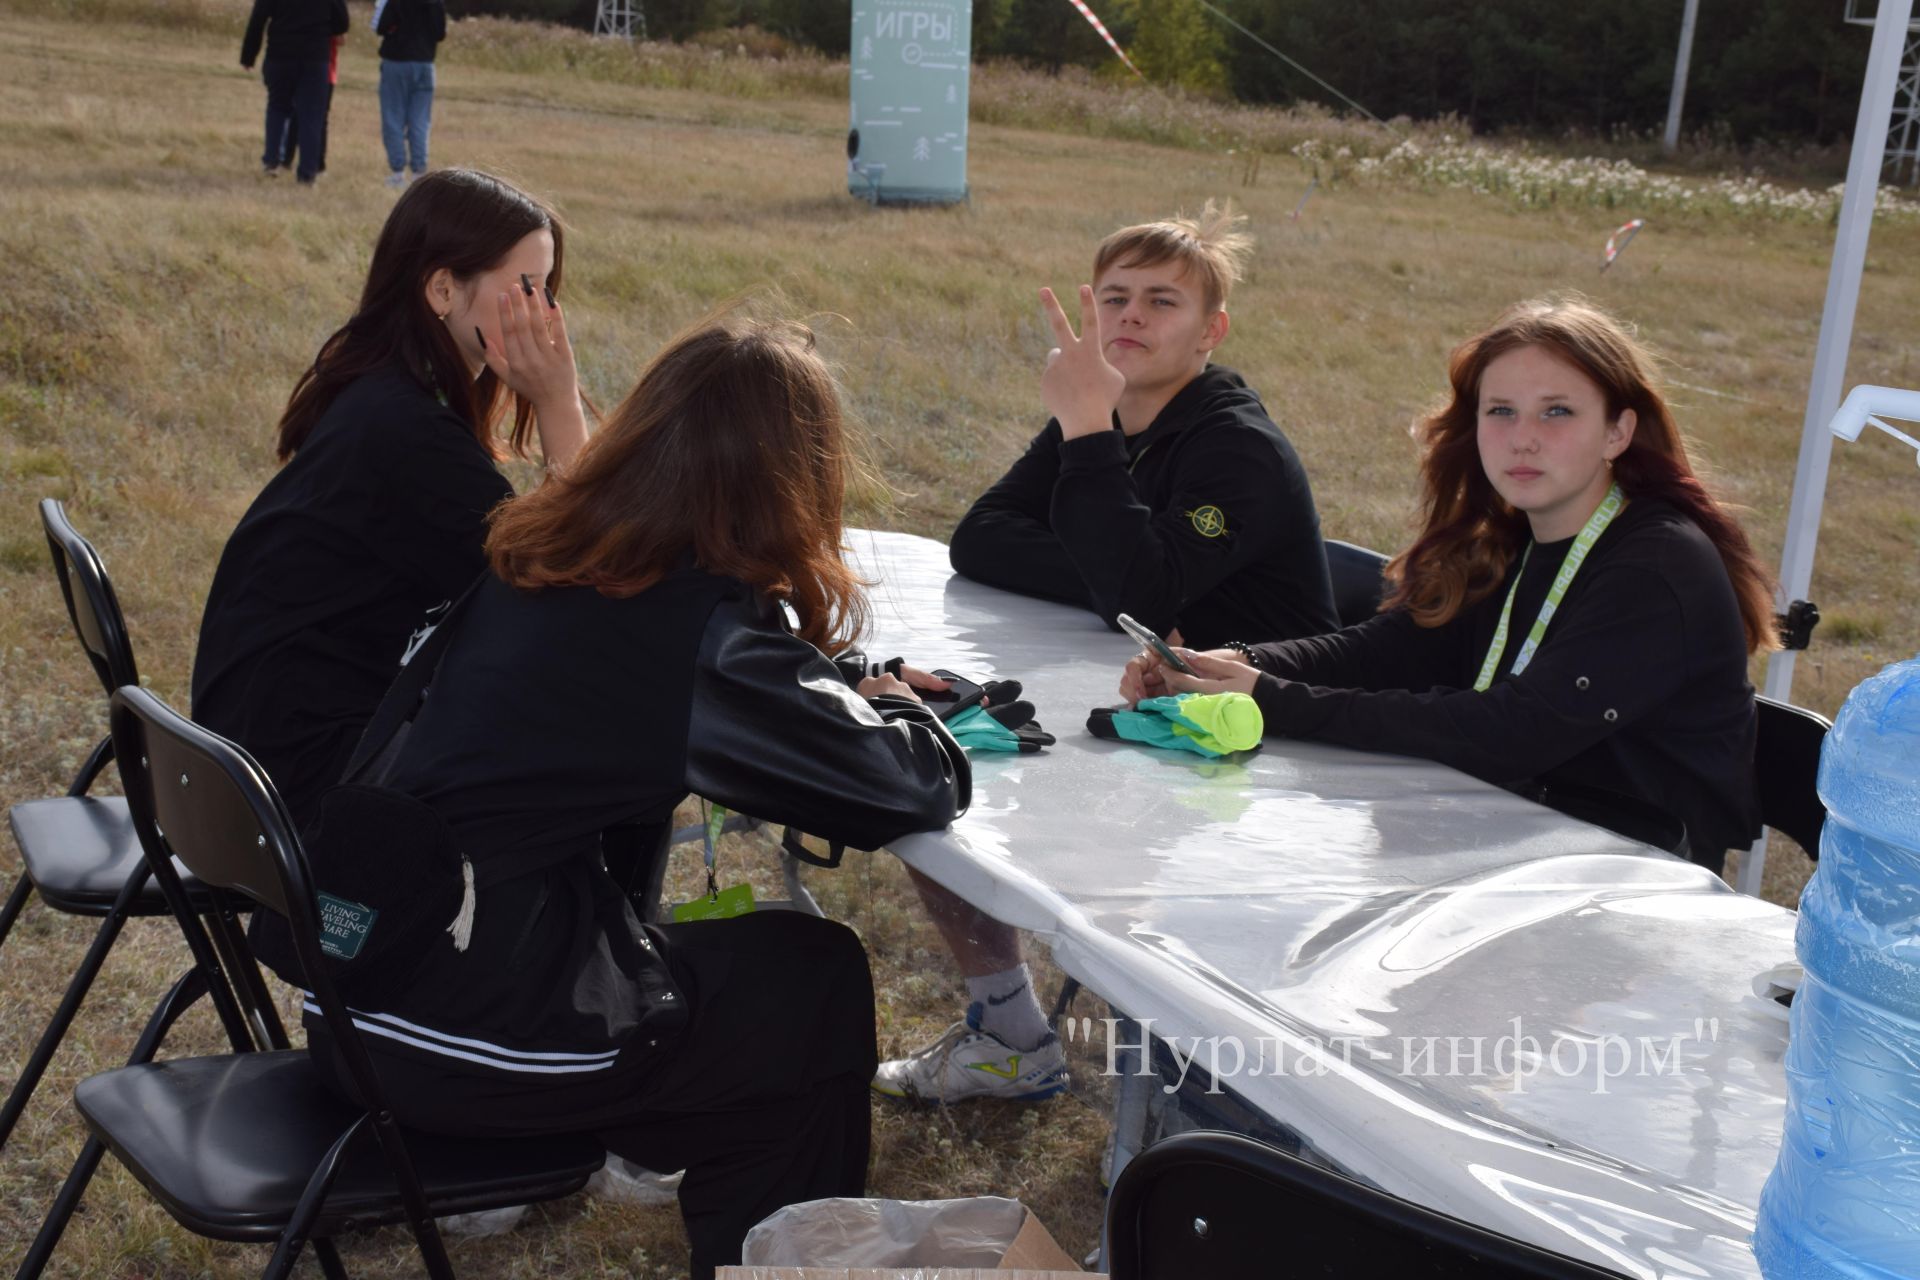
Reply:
x=950, y=702
x=1146, y=637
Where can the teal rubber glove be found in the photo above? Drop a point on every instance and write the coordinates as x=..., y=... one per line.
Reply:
x=977, y=731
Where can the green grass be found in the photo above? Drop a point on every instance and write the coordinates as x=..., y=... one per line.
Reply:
x=164, y=297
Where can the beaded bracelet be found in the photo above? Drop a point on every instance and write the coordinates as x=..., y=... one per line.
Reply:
x=1245, y=650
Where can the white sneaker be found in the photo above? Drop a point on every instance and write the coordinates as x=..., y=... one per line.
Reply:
x=966, y=1062
x=622, y=1180
x=483, y=1222
x=397, y=179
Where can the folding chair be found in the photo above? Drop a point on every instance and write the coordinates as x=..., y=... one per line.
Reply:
x=1225, y=1207
x=79, y=850
x=254, y=1146
x=1786, y=770
x=1358, y=581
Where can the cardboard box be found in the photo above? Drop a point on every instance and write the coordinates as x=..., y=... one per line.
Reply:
x=892, y=1273
x=1033, y=1255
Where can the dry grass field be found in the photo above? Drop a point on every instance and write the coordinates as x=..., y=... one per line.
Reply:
x=165, y=296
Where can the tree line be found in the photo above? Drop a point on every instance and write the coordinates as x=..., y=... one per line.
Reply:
x=1762, y=69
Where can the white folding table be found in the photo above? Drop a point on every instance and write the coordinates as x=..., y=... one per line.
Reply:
x=1372, y=917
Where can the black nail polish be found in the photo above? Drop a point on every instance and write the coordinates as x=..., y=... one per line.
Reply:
x=546, y=289
x=526, y=285
x=481, y=336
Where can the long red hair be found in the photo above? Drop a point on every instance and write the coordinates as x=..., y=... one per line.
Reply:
x=731, y=447
x=1470, y=534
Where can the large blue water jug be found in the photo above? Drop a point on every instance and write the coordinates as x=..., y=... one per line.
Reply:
x=1844, y=1198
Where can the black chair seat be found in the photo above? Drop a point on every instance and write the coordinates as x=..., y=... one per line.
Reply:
x=227, y=1145
x=79, y=851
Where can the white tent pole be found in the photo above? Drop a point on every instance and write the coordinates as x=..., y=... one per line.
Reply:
x=1836, y=337
x=1681, y=61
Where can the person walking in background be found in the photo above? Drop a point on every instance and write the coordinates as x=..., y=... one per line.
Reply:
x=298, y=36
x=290, y=139
x=410, y=31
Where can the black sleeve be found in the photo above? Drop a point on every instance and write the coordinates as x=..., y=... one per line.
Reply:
x=1005, y=539
x=1607, y=664
x=775, y=732
x=256, y=32
x=339, y=23
x=437, y=489
x=437, y=20
x=1150, y=564
x=1387, y=651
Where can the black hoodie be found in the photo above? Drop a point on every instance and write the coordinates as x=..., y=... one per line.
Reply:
x=411, y=30
x=1204, y=521
x=294, y=30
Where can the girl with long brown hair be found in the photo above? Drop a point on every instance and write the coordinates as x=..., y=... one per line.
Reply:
x=631, y=646
x=1575, y=616
x=390, y=440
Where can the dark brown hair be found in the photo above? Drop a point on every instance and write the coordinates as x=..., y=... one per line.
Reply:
x=731, y=447
x=1470, y=533
x=460, y=219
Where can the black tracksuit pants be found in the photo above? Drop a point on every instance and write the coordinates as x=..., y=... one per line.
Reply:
x=298, y=95
x=762, y=1098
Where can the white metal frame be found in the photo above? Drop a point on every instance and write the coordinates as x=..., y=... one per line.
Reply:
x=625, y=19
x=1903, y=133
x=1836, y=338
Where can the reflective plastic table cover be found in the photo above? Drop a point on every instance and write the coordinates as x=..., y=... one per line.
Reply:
x=1372, y=916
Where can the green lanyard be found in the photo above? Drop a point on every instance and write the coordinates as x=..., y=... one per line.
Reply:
x=715, y=819
x=1576, y=556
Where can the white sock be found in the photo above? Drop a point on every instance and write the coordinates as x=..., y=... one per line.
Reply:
x=1008, y=1008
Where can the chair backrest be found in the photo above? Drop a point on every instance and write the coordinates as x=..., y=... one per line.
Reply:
x=1358, y=583
x=203, y=797
x=91, y=603
x=197, y=797
x=1227, y=1207
x=1786, y=769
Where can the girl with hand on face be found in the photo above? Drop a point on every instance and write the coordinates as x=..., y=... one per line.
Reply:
x=390, y=440
x=1573, y=620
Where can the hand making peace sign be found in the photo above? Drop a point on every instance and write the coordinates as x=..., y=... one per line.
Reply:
x=1079, y=387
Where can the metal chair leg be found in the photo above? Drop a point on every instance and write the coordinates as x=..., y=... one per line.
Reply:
x=22, y=889
x=286, y=1250
x=189, y=988
x=330, y=1264
x=69, y=1006
x=55, y=1224
x=256, y=1003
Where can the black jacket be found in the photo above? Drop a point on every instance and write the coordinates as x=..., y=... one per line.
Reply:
x=554, y=715
x=1204, y=521
x=1639, y=686
x=378, y=520
x=294, y=29
x=411, y=30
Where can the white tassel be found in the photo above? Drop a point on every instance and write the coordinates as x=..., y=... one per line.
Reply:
x=462, y=926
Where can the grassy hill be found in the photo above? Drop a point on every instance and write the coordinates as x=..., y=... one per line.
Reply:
x=164, y=296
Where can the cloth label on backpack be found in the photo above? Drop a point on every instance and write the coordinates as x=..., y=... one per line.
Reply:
x=344, y=926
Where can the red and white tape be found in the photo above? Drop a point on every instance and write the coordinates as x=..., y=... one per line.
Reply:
x=1617, y=242
x=1106, y=35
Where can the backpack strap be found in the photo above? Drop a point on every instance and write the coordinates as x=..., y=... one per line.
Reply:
x=380, y=741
